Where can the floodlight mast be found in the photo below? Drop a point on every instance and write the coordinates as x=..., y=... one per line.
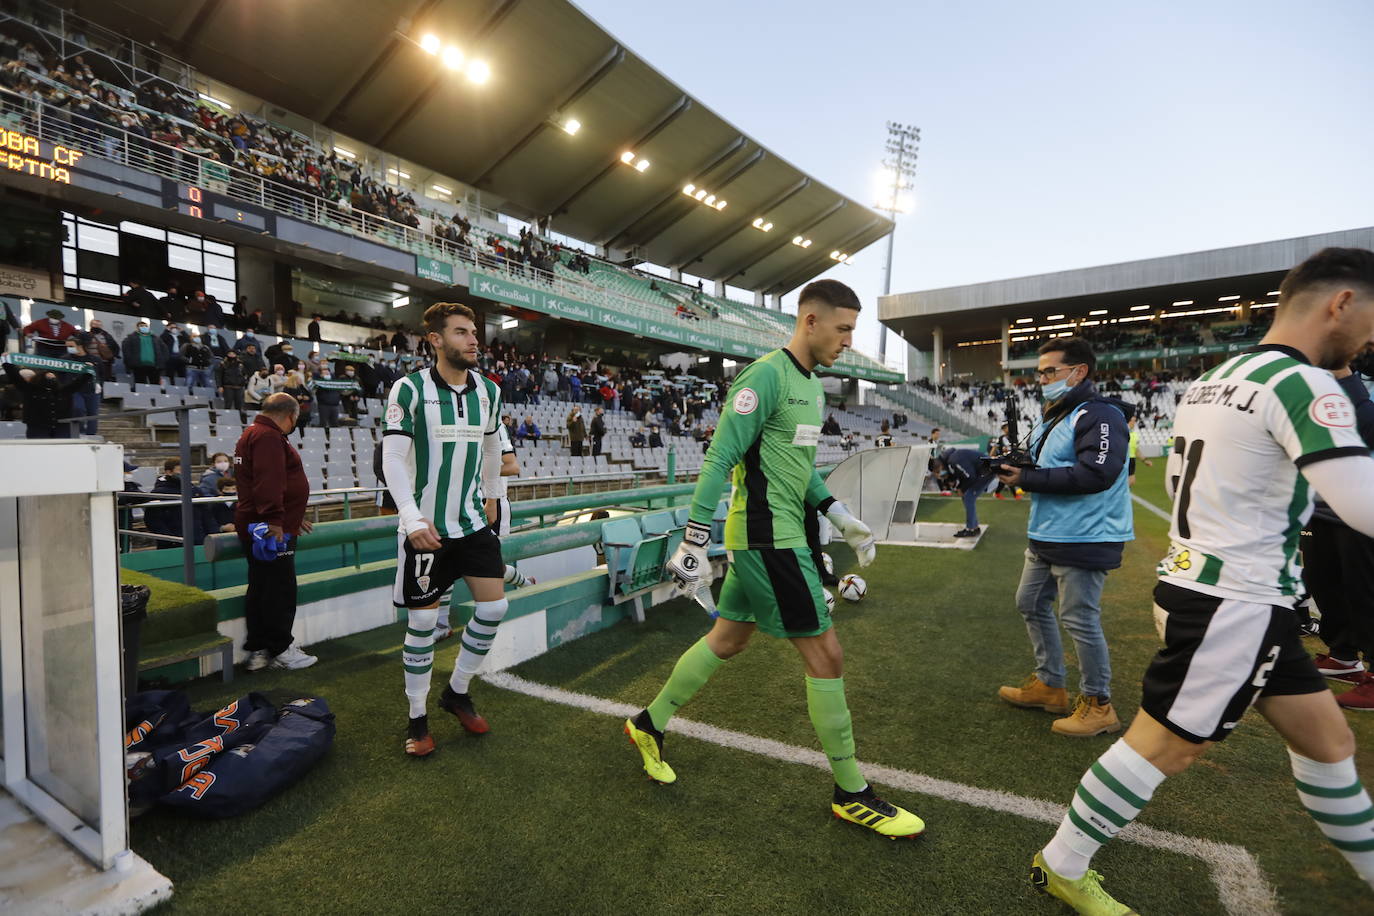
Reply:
x=903, y=141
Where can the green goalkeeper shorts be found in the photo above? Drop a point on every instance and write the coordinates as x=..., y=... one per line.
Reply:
x=778, y=589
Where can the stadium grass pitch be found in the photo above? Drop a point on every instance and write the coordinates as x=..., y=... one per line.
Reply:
x=552, y=813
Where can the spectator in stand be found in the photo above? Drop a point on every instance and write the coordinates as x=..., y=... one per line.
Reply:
x=399, y=342
x=284, y=353
x=256, y=322
x=50, y=334
x=350, y=374
x=528, y=429
x=312, y=364
x=197, y=307
x=935, y=436
x=86, y=396
x=638, y=439
x=142, y=302
x=655, y=438
x=215, y=341
x=272, y=491
x=199, y=363
x=174, y=339
x=167, y=519
x=174, y=303
x=353, y=404
x=575, y=388
x=252, y=360
x=577, y=431
x=46, y=400
x=240, y=313
x=218, y=469
x=831, y=427
x=295, y=386
x=312, y=331
x=144, y=355
x=328, y=399
x=550, y=382
x=884, y=437
x=260, y=385
x=509, y=423
x=103, y=347
x=247, y=339
x=598, y=429
x=218, y=518
x=214, y=312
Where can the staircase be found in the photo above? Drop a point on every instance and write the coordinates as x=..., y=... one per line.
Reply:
x=141, y=443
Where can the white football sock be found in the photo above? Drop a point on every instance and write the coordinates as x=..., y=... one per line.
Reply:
x=476, y=641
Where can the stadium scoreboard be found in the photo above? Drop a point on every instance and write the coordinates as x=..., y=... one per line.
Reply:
x=24, y=153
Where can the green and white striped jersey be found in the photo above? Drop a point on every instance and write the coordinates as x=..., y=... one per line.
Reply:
x=1243, y=432
x=452, y=429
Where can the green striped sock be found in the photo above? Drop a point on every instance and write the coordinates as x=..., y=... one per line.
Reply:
x=417, y=657
x=1332, y=794
x=476, y=641
x=1110, y=796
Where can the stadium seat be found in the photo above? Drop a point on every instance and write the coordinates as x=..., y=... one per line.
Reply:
x=634, y=561
x=665, y=524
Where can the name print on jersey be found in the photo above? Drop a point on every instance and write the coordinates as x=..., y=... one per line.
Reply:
x=1220, y=393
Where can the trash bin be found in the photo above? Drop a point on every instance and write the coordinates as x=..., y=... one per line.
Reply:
x=133, y=603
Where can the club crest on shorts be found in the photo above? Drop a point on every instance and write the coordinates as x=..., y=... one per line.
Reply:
x=423, y=582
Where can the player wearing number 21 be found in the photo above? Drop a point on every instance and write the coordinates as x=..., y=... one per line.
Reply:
x=1256, y=437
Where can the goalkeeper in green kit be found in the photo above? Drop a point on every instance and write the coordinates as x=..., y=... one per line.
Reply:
x=766, y=442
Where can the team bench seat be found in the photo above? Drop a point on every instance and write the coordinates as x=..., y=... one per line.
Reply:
x=170, y=652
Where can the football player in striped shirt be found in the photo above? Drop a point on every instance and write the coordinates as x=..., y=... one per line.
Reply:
x=1254, y=439
x=440, y=449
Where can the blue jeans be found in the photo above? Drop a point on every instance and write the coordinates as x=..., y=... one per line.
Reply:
x=1081, y=608
x=975, y=488
x=200, y=378
x=85, y=404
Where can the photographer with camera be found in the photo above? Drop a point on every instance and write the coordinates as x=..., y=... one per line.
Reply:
x=1079, y=522
x=1338, y=569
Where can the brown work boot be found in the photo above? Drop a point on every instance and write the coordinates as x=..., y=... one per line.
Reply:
x=1034, y=694
x=1091, y=716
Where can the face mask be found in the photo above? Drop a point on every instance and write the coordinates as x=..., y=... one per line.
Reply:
x=1055, y=390
x=221, y=466
x=142, y=329
x=286, y=350
x=71, y=350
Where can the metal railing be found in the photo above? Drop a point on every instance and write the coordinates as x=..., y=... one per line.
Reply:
x=197, y=166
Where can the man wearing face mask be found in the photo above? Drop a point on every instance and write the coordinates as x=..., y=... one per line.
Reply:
x=85, y=396
x=328, y=399
x=260, y=385
x=144, y=355
x=47, y=399
x=103, y=347
x=1080, y=520
x=174, y=339
x=230, y=378
x=199, y=363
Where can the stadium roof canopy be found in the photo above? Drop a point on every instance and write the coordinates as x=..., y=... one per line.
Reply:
x=1181, y=283
x=356, y=67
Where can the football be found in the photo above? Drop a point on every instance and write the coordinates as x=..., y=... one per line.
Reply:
x=853, y=588
x=829, y=600
x=829, y=564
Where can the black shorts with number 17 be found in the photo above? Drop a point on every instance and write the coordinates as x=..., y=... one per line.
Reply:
x=422, y=577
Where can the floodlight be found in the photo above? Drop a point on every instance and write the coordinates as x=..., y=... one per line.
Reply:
x=1053, y=317
x=688, y=189
x=1139, y=308
x=1098, y=312
x=572, y=126
x=710, y=200
x=453, y=58
x=642, y=165
x=430, y=43
x=796, y=240
x=767, y=227
x=627, y=157
x=701, y=192
x=400, y=302
x=720, y=205
x=478, y=72
x=1184, y=302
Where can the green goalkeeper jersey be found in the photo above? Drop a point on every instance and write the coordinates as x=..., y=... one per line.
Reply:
x=766, y=443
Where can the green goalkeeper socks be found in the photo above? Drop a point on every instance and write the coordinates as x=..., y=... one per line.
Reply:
x=692, y=670
x=830, y=716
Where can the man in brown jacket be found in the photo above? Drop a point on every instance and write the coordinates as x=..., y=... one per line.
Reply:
x=272, y=491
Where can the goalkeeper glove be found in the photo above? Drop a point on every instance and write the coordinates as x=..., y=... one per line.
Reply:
x=689, y=567
x=856, y=534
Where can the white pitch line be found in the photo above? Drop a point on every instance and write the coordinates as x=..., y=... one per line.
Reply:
x=1241, y=885
x=1153, y=508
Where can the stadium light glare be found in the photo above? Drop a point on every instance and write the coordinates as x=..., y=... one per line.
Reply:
x=703, y=359
x=806, y=244
x=509, y=323
x=400, y=302
x=440, y=189
x=701, y=192
x=398, y=173
x=430, y=43
x=1139, y=308
x=572, y=126
x=1098, y=312
x=1184, y=302
x=453, y=58
x=688, y=189
x=642, y=165
x=720, y=205
x=214, y=101
x=710, y=200
x=767, y=227
x=346, y=153
x=1053, y=317
x=478, y=72
x=1024, y=320
x=627, y=157
x=1272, y=292
x=797, y=240
x=1227, y=298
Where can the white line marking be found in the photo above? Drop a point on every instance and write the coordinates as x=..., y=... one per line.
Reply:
x=1153, y=508
x=1241, y=886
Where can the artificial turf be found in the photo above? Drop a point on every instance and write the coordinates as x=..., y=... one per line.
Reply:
x=551, y=812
